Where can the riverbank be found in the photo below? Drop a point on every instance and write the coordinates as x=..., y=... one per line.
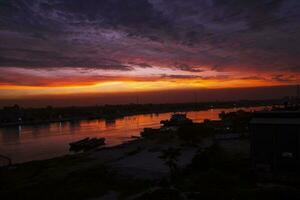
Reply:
x=16, y=116
x=188, y=163
x=27, y=143
x=125, y=169
x=136, y=171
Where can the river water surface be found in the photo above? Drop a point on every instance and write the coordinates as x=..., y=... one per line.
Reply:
x=26, y=143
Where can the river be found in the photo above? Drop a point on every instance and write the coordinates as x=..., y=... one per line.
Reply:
x=36, y=142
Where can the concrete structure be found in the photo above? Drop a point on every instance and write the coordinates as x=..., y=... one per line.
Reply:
x=275, y=141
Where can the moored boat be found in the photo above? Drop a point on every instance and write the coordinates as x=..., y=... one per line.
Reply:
x=86, y=144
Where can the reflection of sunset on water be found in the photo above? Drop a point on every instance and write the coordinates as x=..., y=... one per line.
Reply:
x=50, y=140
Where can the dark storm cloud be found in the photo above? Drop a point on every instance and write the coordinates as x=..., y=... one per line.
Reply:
x=54, y=24
x=193, y=77
x=257, y=12
x=142, y=65
x=130, y=13
x=294, y=69
x=252, y=78
x=107, y=34
x=176, y=76
x=185, y=67
x=23, y=58
x=284, y=78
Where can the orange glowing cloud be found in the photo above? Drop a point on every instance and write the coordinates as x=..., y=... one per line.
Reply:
x=22, y=82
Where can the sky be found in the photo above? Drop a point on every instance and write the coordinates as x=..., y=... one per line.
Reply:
x=61, y=49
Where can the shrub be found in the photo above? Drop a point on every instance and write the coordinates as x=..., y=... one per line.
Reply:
x=193, y=133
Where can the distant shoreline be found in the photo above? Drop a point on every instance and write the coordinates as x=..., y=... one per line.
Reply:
x=172, y=108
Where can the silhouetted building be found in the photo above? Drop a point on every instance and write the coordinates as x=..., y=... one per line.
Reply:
x=275, y=141
x=298, y=95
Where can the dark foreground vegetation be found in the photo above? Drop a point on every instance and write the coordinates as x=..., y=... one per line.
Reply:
x=16, y=115
x=216, y=174
x=69, y=177
x=213, y=174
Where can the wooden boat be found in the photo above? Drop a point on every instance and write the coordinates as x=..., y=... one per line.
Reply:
x=5, y=161
x=80, y=141
x=86, y=144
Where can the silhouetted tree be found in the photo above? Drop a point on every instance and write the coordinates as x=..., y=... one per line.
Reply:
x=170, y=157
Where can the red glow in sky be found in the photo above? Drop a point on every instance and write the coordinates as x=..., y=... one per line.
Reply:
x=102, y=48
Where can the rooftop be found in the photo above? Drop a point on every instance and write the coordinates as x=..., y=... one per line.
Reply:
x=276, y=117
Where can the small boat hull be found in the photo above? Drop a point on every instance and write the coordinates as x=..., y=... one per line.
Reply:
x=86, y=144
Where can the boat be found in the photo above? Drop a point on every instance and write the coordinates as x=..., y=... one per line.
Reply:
x=177, y=119
x=86, y=144
x=5, y=161
x=80, y=141
x=150, y=132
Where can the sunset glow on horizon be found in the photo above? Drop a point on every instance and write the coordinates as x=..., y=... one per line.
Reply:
x=109, y=47
x=58, y=82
